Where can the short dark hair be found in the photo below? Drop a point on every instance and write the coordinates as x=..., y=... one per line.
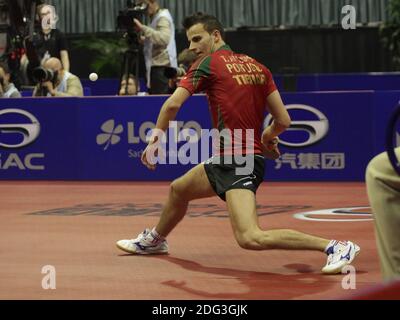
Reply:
x=4, y=66
x=209, y=22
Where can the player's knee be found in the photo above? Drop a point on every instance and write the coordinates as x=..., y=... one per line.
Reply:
x=177, y=188
x=248, y=240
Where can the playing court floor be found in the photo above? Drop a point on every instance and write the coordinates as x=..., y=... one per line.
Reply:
x=73, y=227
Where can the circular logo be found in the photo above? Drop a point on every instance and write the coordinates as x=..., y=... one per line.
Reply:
x=337, y=215
x=28, y=131
x=316, y=129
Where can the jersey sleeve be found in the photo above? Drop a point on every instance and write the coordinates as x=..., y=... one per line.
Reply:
x=271, y=87
x=198, y=77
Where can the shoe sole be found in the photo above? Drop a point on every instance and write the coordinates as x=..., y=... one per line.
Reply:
x=142, y=252
x=340, y=268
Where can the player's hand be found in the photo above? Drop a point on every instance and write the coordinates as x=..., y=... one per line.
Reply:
x=151, y=154
x=271, y=150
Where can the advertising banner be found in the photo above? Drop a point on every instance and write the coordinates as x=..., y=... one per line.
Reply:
x=332, y=138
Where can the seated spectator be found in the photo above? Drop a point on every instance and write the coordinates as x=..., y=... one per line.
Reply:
x=7, y=88
x=130, y=87
x=62, y=84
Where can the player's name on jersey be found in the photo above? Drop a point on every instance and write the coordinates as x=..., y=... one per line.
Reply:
x=252, y=79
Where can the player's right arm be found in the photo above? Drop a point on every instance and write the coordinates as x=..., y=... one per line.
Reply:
x=194, y=81
x=168, y=113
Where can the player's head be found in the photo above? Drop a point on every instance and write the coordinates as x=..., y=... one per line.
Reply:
x=204, y=32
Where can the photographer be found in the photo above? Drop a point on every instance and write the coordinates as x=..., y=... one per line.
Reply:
x=54, y=81
x=7, y=88
x=159, y=46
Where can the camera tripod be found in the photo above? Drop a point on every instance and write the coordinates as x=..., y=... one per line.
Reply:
x=130, y=62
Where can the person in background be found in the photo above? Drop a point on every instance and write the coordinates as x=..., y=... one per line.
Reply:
x=383, y=186
x=129, y=85
x=159, y=46
x=185, y=60
x=7, y=88
x=48, y=42
x=61, y=84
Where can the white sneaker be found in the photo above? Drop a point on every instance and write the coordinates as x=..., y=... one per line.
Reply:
x=340, y=254
x=145, y=243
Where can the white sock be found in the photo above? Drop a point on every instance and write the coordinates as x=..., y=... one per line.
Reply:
x=156, y=236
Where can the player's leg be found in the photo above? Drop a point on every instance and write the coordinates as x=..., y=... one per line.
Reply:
x=242, y=211
x=193, y=185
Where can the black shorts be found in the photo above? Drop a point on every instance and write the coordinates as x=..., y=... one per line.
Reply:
x=224, y=174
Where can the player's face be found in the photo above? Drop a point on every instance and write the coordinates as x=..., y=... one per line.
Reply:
x=201, y=42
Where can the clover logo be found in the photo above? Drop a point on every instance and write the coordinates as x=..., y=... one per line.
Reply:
x=110, y=134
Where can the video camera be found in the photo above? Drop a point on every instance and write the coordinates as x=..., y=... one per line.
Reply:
x=172, y=73
x=134, y=10
x=41, y=74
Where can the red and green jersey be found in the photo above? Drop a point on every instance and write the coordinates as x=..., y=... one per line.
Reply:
x=237, y=87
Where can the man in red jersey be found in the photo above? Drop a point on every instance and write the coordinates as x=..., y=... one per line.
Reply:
x=239, y=90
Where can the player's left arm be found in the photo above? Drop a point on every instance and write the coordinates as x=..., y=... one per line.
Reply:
x=281, y=121
x=281, y=118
